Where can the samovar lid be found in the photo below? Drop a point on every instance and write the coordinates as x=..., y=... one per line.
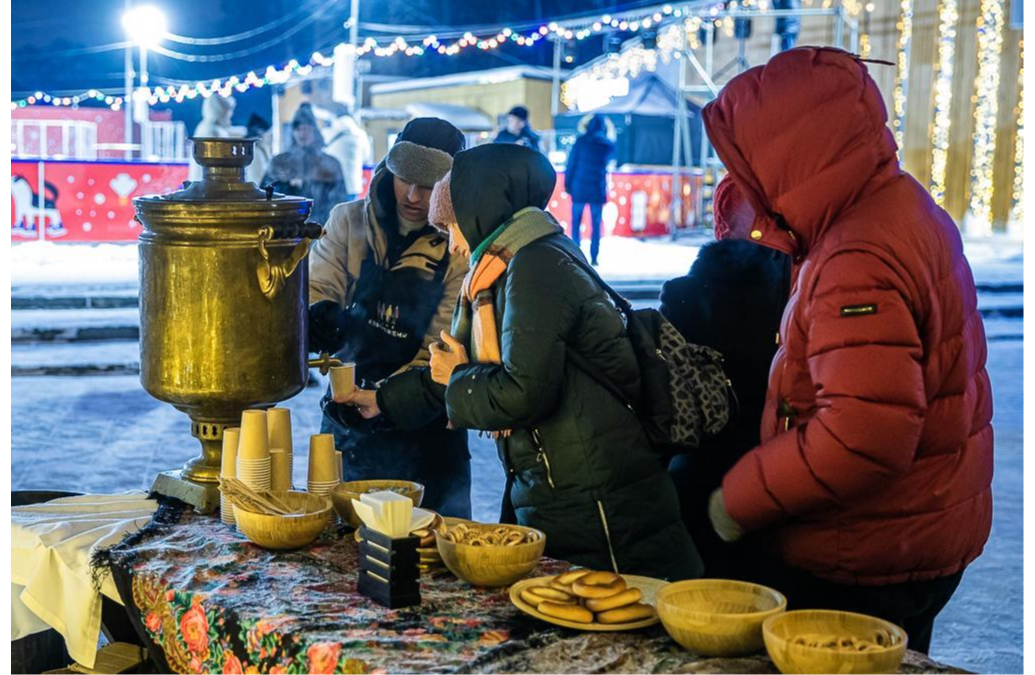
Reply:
x=222, y=189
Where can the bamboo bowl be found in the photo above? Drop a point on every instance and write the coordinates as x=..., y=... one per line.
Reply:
x=492, y=565
x=286, y=532
x=343, y=494
x=782, y=631
x=718, y=617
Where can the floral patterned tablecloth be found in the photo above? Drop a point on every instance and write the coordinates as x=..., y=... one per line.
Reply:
x=208, y=601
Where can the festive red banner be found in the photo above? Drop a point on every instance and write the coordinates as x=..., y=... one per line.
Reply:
x=84, y=201
x=92, y=201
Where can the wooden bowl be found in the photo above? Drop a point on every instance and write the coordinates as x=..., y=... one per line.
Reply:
x=343, y=494
x=718, y=617
x=492, y=565
x=782, y=631
x=286, y=532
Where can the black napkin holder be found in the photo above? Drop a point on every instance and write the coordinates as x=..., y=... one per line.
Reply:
x=388, y=572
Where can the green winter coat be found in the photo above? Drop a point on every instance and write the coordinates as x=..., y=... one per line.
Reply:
x=579, y=467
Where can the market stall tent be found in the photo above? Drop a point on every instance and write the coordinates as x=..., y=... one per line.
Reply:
x=643, y=121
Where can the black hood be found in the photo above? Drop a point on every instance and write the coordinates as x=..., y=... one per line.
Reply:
x=492, y=182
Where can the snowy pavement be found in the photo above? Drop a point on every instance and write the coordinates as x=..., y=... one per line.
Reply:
x=39, y=266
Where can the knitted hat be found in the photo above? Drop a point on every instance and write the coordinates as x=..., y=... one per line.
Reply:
x=304, y=115
x=519, y=111
x=440, y=211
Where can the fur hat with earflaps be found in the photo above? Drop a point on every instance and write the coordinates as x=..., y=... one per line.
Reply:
x=423, y=152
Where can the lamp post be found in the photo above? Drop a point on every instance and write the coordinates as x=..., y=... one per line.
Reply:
x=145, y=26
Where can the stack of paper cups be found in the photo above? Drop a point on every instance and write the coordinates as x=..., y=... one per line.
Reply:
x=228, y=470
x=253, y=454
x=323, y=474
x=278, y=420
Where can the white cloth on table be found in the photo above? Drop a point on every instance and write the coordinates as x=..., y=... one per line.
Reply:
x=51, y=547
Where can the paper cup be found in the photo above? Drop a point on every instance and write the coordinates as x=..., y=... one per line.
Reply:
x=255, y=442
x=321, y=459
x=254, y=471
x=278, y=423
x=343, y=381
x=280, y=476
x=231, y=439
x=257, y=483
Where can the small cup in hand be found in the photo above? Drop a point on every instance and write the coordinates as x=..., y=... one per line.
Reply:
x=343, y=381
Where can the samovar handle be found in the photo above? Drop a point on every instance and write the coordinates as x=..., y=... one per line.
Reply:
x=272, y=276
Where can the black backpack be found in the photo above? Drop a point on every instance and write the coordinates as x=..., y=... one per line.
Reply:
x=685, y=394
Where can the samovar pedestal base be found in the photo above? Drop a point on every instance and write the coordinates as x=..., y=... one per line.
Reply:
x=204, y=497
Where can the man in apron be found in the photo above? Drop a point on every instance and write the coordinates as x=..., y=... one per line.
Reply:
x=383, y=285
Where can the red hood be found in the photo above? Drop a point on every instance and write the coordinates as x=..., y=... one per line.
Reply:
x=803, y=137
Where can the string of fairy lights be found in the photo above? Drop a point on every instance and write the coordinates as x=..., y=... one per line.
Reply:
x=1017, y=212
x=384, y=47
x=948, y=14
x=630, y=61
x=901, y=87
x=986, y=111
x=675, y=27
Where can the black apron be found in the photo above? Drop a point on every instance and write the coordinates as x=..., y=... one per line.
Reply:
x=385, y=327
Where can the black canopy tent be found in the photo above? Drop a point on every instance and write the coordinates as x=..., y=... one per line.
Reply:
x=643, y=120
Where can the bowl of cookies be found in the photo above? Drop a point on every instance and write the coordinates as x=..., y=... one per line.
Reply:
x=490, y=555
x=590, y=600
x=827, y=641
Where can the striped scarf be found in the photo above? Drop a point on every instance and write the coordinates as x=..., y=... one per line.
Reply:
x=474, y=321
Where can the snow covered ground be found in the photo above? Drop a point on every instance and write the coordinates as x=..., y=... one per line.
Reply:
x=43, y=264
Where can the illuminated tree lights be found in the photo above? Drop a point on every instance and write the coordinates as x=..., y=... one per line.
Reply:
x=986, y=110
x=1017, y=214
x=899, y=93
x=947, y=17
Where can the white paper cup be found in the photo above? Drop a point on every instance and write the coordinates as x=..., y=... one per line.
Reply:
x=343, y=381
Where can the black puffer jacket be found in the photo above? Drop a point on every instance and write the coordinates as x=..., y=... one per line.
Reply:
x=579, y=466
x=732, y=301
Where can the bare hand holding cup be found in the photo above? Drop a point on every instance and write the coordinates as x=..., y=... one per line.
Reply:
x=445, y=356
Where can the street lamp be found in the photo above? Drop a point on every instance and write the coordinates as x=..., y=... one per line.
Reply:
x=145, y=26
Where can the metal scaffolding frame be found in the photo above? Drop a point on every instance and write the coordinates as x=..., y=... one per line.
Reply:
x=709, y=88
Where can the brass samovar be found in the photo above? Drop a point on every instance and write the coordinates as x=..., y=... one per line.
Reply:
x=223, y=303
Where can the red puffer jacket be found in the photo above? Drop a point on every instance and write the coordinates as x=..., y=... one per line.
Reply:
x=876, y=458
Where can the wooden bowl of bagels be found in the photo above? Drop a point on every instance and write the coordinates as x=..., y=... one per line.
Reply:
x=490, y=555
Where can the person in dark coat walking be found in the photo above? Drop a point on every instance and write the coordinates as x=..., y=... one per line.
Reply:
x=579, y=466
x=305, y=169
x=585, y=179
x=731, y=301
x=518, y=130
